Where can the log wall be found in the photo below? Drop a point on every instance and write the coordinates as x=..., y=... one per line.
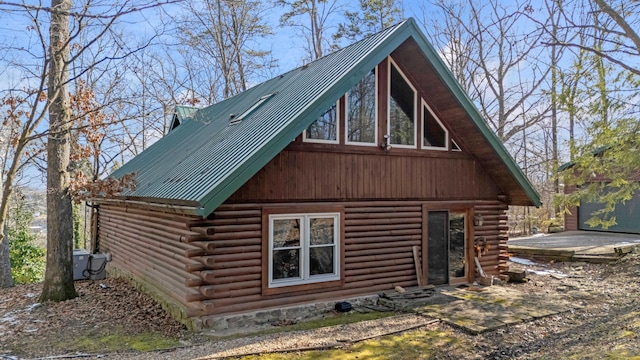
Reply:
x=209, y=267
x=149, y=246
x=495, y=231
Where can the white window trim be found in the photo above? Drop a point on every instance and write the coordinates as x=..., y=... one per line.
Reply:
x=446, y=132
x=306, y=278
x=346, y=120
x=321, y=141
x=415, y=107
x=457, y=148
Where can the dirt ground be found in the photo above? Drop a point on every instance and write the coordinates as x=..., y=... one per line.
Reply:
x=607, y=325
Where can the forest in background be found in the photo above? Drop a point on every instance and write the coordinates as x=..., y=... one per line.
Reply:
x=555, y=79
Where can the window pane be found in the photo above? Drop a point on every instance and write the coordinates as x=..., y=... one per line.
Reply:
x=456, y=246
x=437, y=248
x=321, y=231
x=434, y=134
x=325, y=127
x=321, y=260
x=361, y=105
x=286, y=233
x=401, y=110
x=286, y=264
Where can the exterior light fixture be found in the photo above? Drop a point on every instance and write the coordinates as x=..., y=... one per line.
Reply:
x=385, y=143
x=478, y=220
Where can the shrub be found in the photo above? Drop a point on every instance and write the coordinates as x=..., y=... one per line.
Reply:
x=27, y=258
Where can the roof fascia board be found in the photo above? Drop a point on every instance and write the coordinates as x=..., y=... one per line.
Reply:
x=463, y=99
x=151, y=205
x=258, y=160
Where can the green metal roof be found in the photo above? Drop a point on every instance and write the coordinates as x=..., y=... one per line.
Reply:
x=205, y=160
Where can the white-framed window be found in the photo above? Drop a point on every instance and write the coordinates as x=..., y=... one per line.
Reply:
x=454, y=146
x=362, y=113
x=434, y=135
x=303, y=248
x=402, y=109
x=326, y=128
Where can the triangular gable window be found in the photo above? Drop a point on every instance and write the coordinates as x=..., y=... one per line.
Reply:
x=434, y=134
x=454, y=146
x=325, y=128
x=175, y=122
x=362, y=119
x=402, y=109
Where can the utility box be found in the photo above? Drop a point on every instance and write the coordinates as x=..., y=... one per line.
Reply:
x=97, y=265
x=80, y=264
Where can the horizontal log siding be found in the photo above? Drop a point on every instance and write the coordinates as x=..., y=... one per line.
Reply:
x=495, y=231
x=148, y=245
x=379, y=236
x=213, y=266
x=378, y=245
x=378, y=255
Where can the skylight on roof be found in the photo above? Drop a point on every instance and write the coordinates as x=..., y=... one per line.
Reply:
x=238, y=118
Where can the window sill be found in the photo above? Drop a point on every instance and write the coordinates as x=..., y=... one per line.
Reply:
x=302, y=287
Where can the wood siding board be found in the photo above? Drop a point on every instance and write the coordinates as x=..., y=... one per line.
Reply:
x=322, y=176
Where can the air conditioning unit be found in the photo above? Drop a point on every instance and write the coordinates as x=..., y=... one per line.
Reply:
x=89, y=266
x=80, y=264
x=97, y=265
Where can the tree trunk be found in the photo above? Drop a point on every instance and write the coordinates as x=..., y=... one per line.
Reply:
x=555, y=59
x=6, y=278
x=58, y=281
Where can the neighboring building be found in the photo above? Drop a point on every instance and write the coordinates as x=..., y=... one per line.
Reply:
x=627, y=215
x=318, y=185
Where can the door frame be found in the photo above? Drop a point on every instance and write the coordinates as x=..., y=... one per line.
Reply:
x=459, y=207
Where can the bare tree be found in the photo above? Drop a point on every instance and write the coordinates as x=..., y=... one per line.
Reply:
x=554, y=18
x=58, y=282
x=43, y=68
x=488, y=45
x=312, y=19
x=621, y=45
x=225, y=36
x=456, y=44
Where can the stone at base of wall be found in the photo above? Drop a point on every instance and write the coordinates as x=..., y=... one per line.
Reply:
x=236, y=323
x=260, y=319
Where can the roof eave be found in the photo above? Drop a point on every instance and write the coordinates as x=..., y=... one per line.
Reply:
x=162, y=205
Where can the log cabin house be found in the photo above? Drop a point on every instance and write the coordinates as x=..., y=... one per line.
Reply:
x=319, y=184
